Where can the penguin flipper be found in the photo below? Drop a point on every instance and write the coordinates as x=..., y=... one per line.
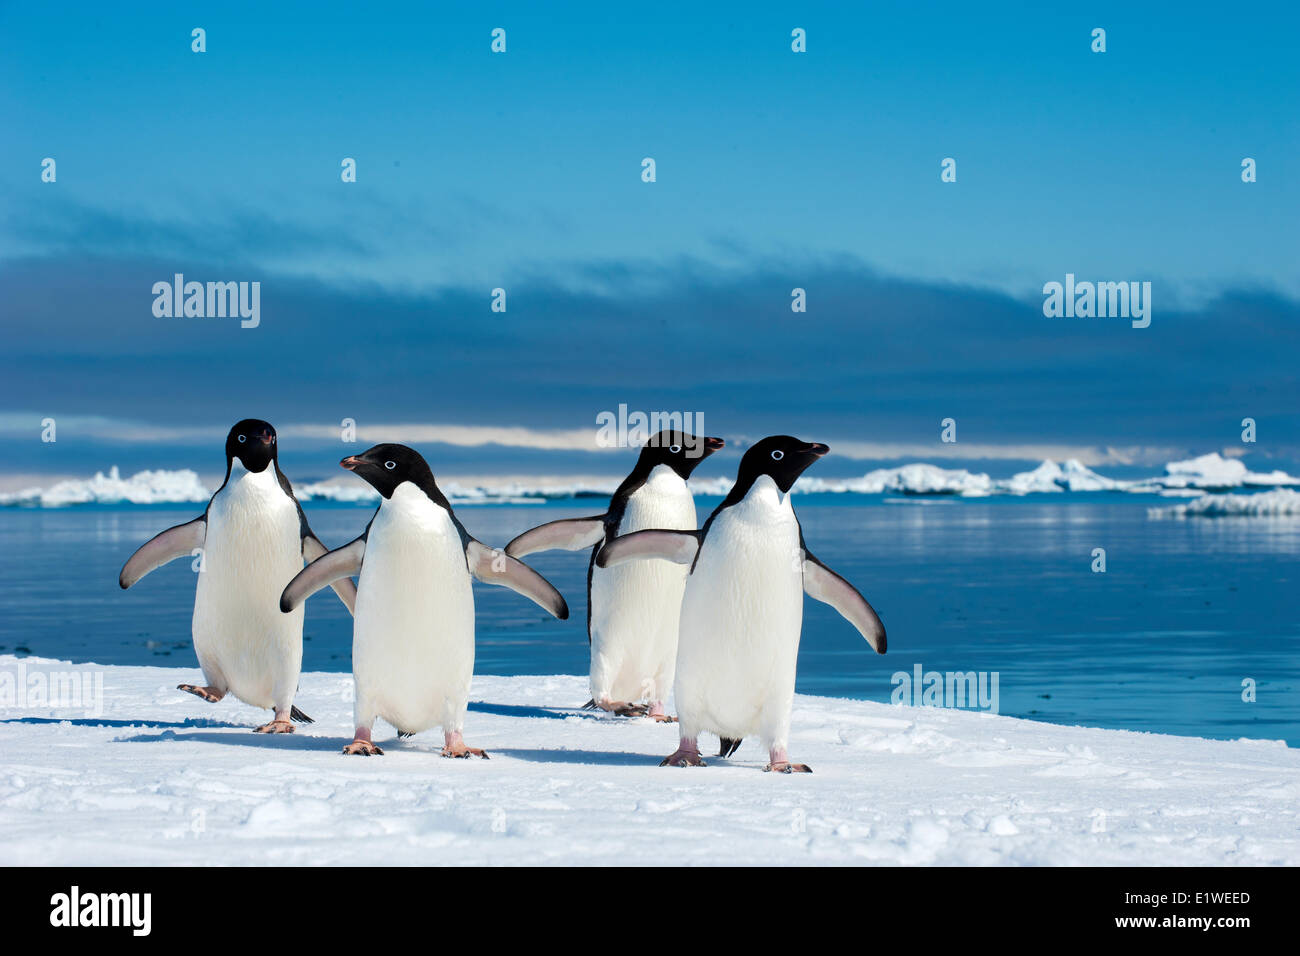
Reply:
x=680, y=547
x=343, y=587
x=168, y=546
x=567, y=534
x=340, y=563
x=823, y=584
x=496, y=567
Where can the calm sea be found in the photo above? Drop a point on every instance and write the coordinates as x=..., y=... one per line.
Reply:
x=1162, y=641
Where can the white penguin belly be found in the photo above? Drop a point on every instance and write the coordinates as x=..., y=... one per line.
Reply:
x=251, y=550
x=413, y=635
x=635, y=606
x=741, y=619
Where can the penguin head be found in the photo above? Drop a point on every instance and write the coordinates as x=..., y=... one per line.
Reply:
x=387, y=466
x=783, y=458
x=252, y=441
x=680, y=451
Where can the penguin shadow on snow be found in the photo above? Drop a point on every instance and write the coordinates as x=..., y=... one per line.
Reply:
x=117, y=722
x=286, y=742
x=526, y=710
x=609, y=758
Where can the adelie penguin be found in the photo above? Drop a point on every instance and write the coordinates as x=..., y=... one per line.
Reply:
x=633, y=610
x=742, y=612
x=253, y=537
x=413, y=633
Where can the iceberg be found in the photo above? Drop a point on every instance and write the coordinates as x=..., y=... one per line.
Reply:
x=917, y=479
x=1049, y=477
x=1283, y=501
x=142, y=488
x=1214, y=471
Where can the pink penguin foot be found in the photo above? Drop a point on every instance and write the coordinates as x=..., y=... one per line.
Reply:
x=687, y=754
x=210, y=694
x=362, y=745
x=275, y=727
x=779, y=762
x=659, y=715
x=454, y=746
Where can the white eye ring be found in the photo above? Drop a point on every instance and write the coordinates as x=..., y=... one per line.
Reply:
x=241, y=439
x=675, y=449
x=390, y=465
x=777, y=454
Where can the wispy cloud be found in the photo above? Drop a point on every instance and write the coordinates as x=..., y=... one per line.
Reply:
x=110, y=431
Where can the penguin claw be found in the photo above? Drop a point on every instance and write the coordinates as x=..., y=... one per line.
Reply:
x=683, y=758
x=363, y=748
x=787, y=767
x=663, y=718
x=275, y=727
x=464, y=752
x=627, y=710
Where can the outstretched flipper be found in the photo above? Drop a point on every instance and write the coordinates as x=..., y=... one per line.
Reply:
x=312, y=549
x=567, y=534
x=680, y=547
x=332, y=566
x=171, y=544
x=825, y=585
x=496, y=567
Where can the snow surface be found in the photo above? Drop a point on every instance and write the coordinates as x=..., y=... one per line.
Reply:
x=1191, y=477
x=160, y=777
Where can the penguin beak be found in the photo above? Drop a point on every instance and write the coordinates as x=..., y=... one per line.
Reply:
x=352, y=463
x=712, y=444
x=818, y=449
x=265, y=437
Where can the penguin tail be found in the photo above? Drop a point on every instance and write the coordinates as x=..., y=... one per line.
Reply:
x=729, y=746
x=403, y=734
x=298, y=715
x=590, y=705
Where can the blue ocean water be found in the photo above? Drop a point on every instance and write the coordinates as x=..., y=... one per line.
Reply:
x=1162, y=641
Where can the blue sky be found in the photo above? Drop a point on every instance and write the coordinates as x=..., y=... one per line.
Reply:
x=774, y=170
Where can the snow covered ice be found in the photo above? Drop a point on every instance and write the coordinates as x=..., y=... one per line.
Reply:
x=161, y=778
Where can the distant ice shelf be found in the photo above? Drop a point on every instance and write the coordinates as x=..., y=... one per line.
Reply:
x=1192, y=477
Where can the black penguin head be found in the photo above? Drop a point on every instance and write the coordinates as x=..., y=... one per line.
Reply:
x=781, y=457
x=252, y=441
x=680, y=451
x=387, y=466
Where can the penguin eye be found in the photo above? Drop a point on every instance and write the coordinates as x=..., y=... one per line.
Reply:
x=777, y=454
x=241, y=439
x=390, y=465
x=675, y=449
